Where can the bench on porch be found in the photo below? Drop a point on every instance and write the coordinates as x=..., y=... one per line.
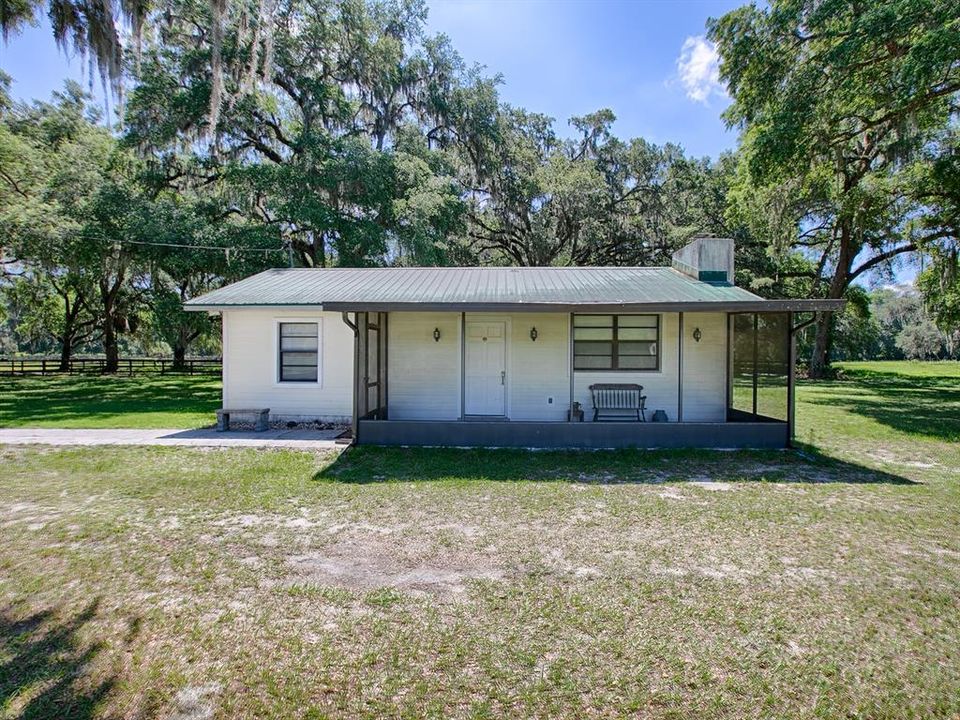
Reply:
x=261, y=423
x=613, y=399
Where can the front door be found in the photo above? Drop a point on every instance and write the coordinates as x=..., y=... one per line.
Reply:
x=485, y=369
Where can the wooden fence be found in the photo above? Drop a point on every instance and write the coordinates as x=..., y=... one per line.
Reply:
x=95, y=366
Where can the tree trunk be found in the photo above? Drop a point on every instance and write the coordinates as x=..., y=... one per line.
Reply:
x=109, y=293
x=179, y=357
x=68, y=336
x=820, y=359
x=66, y=351
x=110, y=346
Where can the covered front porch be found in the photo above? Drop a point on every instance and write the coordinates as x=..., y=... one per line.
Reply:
x=523, y=379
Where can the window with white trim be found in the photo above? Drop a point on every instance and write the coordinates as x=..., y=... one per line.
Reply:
x=616, y=342
x=299, y=352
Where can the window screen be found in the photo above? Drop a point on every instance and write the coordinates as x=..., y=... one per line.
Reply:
x=298, y=352
x=759, y=366
x=616, y=342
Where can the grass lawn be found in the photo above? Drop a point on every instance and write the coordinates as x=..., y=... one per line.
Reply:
x=175, y=582
x=95, y=401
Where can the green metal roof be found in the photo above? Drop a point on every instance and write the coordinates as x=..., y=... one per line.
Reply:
x=560, y=289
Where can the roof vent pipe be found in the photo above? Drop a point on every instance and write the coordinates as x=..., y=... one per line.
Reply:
x=709, y=259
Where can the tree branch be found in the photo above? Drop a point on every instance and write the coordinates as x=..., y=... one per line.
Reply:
x=881, y=258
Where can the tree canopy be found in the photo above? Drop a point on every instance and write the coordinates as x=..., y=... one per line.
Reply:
x=846, y=110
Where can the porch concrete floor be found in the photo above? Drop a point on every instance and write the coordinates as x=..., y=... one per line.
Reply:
x=303, y=439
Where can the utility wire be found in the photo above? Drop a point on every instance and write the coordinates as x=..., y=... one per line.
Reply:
x=232, y=248
x=228, y=250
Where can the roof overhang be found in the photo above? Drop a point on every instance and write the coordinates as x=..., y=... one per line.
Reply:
x=801, y=305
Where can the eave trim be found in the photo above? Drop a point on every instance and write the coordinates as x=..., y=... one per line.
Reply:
x=800, y=305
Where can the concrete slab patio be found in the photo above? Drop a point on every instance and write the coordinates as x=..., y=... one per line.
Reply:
x=302, y=439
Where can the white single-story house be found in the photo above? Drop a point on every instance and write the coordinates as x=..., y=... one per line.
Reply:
x=518, y=356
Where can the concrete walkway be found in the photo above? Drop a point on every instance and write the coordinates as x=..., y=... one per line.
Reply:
x=301, y=439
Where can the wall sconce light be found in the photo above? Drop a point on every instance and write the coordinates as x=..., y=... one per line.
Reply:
x=436, y=334
x=533, y=333
x=697, y=334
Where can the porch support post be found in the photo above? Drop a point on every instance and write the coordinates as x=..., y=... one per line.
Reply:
x=363, y=365
x=383, y=387
x=384, y=367
x=463, y=365
x=791, y=380
x=756, y=369
x=728, y=366
x=680, y=368
x=356, y=368
x=570, y=417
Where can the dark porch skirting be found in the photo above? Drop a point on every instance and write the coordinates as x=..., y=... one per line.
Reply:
x=573, y=435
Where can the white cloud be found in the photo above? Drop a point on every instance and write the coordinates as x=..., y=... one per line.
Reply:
x=699, y=69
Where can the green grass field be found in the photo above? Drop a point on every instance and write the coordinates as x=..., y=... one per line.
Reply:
x=405, y=583
x=94, y=401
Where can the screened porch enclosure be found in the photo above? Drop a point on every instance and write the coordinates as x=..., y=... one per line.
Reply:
x=760, y=367
x=751, y=371
x=370, y=366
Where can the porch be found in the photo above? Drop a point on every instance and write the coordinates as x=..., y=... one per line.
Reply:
x=721, y=380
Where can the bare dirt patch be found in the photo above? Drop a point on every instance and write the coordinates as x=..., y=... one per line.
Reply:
x=370, y=565
x=194, y=703
x=714, y=485
x=30, y=514
x=670, y=493
x=722, y=571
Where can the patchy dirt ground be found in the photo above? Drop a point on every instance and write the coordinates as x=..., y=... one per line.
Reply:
x=160, y=582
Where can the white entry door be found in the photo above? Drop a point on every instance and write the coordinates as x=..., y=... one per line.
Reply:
x=485, y=369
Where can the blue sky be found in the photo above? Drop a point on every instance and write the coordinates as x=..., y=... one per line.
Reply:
x=566, y=58
x=559, y=57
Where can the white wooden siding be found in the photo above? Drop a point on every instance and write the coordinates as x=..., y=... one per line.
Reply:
x=423, y=381
x=250, y=354
x=539, y=371
x=424, y=376
x=705, y=368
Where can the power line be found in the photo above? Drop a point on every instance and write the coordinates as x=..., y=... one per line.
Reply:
x=232, y=248
x=229, y=250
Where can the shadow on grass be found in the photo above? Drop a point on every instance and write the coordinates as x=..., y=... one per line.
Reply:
x=367, y=464
x=47, y=668
x=915, y=404
x=69, y=398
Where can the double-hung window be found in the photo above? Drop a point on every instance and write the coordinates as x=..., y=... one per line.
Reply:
x=616, y=342
x=299, y=347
